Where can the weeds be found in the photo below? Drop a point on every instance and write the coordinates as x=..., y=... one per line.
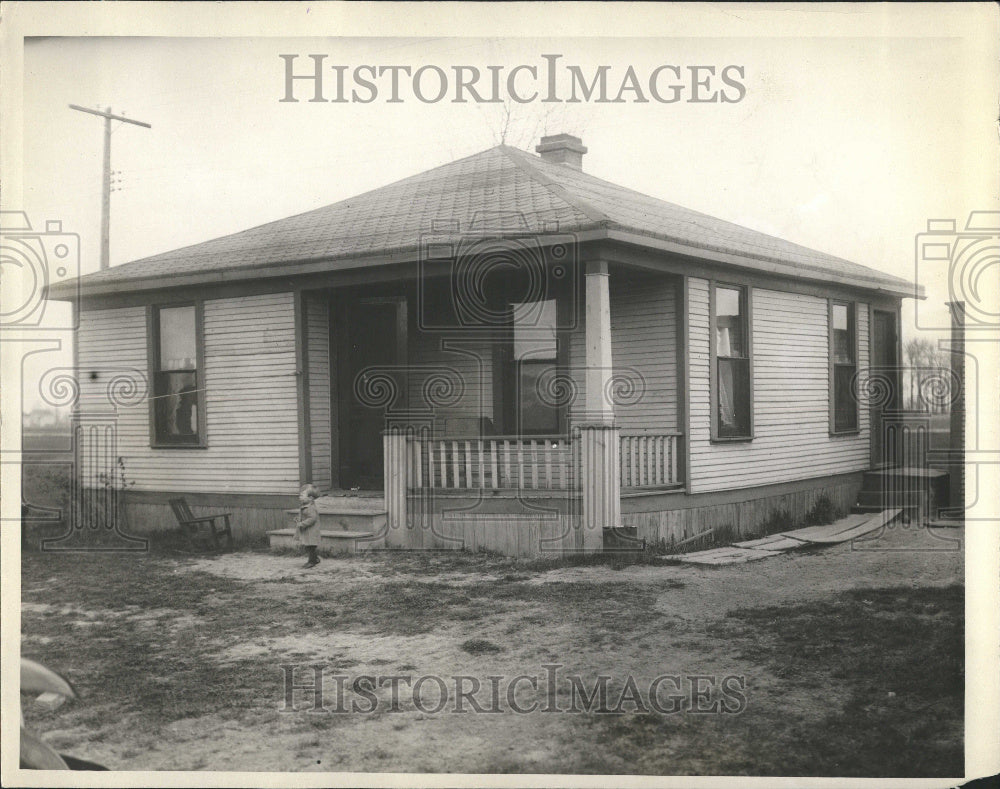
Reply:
x=777, y=521
x=822, y=512
x=480, y=646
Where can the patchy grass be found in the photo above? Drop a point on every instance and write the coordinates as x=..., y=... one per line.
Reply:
x=178, y=663
x=480, y=646
x=894, y=657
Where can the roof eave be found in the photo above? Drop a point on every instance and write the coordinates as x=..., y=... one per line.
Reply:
x=69, y=291
x=889, y=285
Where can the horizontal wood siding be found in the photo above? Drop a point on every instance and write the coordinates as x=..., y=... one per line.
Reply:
x=576, y=339
x=317, y=308
x=468, y=361
x=791, y=396
x=644, y=339
x=864, y=360
x=250, y=377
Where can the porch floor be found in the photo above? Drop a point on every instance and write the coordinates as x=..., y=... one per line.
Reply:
x=340, y=493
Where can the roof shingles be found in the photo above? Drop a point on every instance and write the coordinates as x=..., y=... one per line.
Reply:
x=533, y=194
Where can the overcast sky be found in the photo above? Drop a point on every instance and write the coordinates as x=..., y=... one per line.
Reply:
x=849, y=137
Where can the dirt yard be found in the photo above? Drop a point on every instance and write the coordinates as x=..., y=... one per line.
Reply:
x=841, y=661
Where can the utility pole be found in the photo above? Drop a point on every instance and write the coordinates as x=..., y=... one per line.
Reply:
x=106, y=195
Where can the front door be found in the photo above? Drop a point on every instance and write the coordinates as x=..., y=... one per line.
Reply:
x=372, y=346
x=885, y=361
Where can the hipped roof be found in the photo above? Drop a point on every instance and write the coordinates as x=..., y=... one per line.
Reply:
x=391, y=222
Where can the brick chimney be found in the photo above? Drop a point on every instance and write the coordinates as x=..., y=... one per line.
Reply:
x=562, y=149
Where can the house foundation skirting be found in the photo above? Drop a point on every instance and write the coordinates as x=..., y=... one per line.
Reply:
x=535, y=525
x=670, y=517
x=254, y=515
x=530, y=524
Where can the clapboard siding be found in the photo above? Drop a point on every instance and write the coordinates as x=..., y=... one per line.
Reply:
x=317, y=307
x=644, y=339
x=470, y=362
x=251, y=400
x=576, y=339
x=791, y=396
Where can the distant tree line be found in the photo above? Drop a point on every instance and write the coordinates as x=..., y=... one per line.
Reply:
x=926, y=380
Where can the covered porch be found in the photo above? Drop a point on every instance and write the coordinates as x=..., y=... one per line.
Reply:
x=567, y=392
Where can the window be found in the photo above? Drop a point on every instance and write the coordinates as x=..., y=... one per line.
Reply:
x=177, y=408
x=732, y=392
x=535, y=350
x=843, y=367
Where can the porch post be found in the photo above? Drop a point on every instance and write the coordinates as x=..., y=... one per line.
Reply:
x=599, y=439
x=396, y=479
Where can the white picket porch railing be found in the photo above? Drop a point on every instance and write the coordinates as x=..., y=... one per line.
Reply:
x=552, y=462
x=494, y=462
x=650, y=460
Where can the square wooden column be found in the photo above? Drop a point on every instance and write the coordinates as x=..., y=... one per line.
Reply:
x=396, y=466
x=600, y=463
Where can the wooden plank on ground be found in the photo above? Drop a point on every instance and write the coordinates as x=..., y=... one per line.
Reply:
x=719, y=556
x=773, y=542
x=846, y=528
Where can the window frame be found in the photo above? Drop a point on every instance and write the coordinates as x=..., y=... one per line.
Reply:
x=153, y=363
x=746, y=301
x=852, y=322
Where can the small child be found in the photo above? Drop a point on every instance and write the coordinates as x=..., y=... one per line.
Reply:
x=307, y=524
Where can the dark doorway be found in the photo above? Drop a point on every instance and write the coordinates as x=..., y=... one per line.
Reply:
x=885, y=362
x=373, y=349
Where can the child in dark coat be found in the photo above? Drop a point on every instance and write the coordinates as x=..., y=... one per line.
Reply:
x=307, y=524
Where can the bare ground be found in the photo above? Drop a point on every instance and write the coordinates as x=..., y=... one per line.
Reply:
x=178, y=660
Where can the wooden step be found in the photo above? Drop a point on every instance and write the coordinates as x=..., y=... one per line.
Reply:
x=349, y=513
x=899, y=476
x=331, y=541
x=890, y=498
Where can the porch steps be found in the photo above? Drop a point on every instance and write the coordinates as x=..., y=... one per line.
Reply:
x=348, y=524
x=919, y=492
x=330, y=541
x=345, y=513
